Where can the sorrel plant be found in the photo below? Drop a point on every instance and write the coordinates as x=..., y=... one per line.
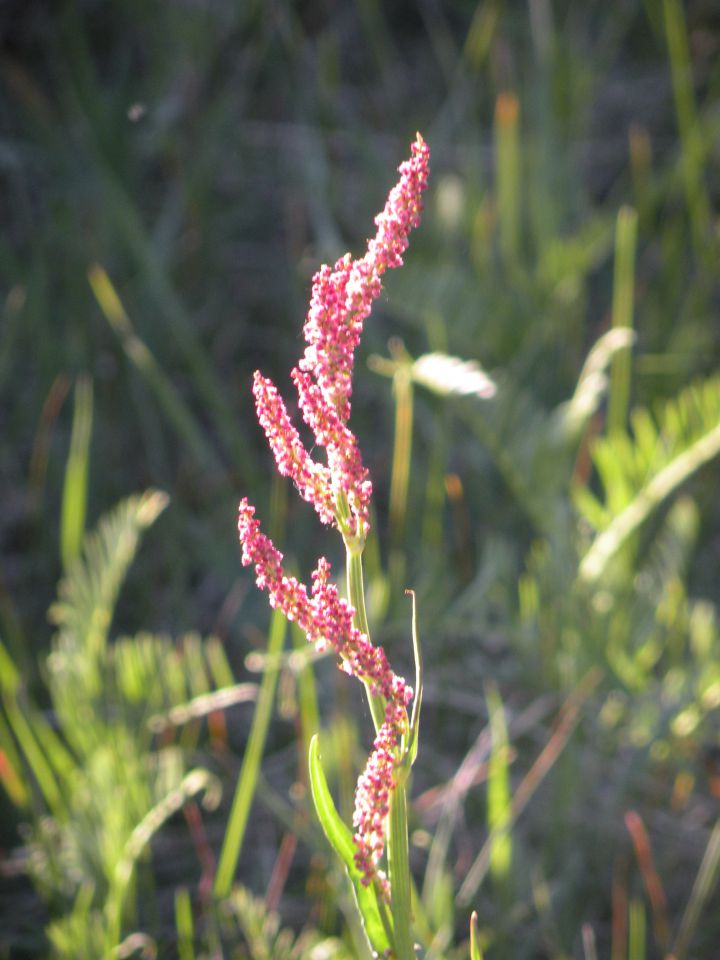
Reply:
x=375, y=852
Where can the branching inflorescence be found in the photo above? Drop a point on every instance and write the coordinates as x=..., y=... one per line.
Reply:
x=340, y=490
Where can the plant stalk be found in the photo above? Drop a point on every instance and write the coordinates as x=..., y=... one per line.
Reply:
x=399, y=873
x=356, y=597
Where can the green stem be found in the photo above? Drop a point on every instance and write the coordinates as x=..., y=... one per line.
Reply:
x=397, y=836
x=356, y=597
x=622, y=317
x=399, y=873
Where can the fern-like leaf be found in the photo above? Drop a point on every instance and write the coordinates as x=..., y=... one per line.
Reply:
x=88, y=592
x=534, y=449
x=640, y=471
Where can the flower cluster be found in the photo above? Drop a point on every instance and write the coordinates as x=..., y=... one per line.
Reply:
x=340, y=491
x=341, y=300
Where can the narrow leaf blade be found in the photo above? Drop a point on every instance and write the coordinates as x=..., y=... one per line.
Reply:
x=341, y=840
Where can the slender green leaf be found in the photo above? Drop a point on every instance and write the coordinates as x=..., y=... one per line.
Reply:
x=250, y=769
x=475, y=951
x=74, y=502
x=705, y=882
x=508, y=188
x=499, y=795
x=622, y=316
x=174, y=406
x=414, y=732
x=184, y=924
x=399, y=873
x=373, y=912
x=637, y=941
x=638, y=476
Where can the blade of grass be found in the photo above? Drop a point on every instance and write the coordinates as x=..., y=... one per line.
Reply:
x=184, y=924
x=401, y=461
x=25, y=734
x=703, y=887
x=193, y=783
x=651, y=880
x=74, y=500
x=622, y=317
x=475, y=951
x=693, y=150
x=84, y=88
x=175, y=408
x=371, y=906
x=619, y=916
x=636, y=931
x=247, y=779
x=652, y=494
x=568, y=719
x=478, y=40
x=498, y=789
x=11, y=768
x=507, y=174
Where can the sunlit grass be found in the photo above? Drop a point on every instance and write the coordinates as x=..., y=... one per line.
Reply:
x=558, y=523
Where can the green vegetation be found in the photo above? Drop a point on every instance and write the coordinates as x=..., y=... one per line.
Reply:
x=537, y=397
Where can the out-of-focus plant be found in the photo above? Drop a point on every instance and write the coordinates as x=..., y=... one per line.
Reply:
x=109, y=770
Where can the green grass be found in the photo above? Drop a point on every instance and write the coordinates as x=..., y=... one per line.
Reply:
x=173, y=174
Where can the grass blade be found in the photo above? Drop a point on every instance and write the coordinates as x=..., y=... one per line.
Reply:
x=250, y=769
x=498, y=794
x=175, y=408
x=507, y=174
x=637, y=945
x=660, y=486
x=74, y=501
x=569, y=717
x=703, y=887
x=475, y=951
x=693, y=149
x=622, y=316
x=375, y=920
x=184, y=924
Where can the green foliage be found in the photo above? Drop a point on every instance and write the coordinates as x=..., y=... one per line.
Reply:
x=498, y=801
x=247, y=779
x=475, y=951
x=639, y=471
x=110, y=699
x=371, y=906
x=76, y=475
x=552, y=512
x=265, y=940
x=534, y=449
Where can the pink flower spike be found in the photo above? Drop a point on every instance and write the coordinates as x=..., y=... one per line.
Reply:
x=402, y=211
x=311, y=479
x=347, y=473
x=327, y=620
x=342, y=298
x=286, y=593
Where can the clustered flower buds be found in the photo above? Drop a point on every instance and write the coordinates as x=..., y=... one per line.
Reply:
x=340, y=490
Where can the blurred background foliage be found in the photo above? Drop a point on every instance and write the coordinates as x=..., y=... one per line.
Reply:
x=172, y=176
